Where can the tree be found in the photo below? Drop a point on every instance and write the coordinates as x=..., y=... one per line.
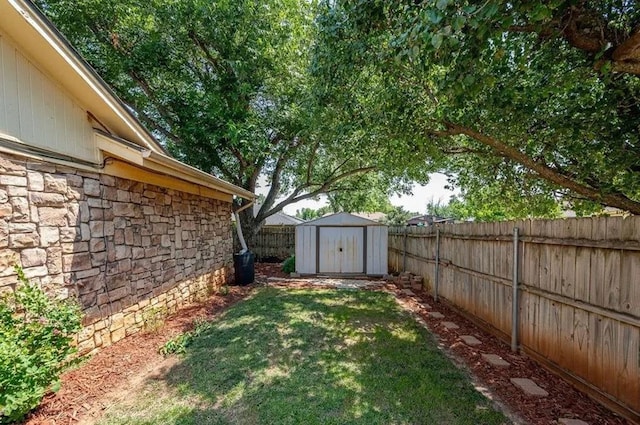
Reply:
x=224, y=86
x=397, y=216
x=539, y=99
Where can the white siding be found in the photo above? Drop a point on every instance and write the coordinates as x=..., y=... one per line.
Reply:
x=306, y=249
x=377, y=241
x=36, y=111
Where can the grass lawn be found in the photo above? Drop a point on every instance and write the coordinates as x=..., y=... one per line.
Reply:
x=310, y=357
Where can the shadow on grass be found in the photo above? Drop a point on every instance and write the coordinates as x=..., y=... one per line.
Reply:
x=318, y=357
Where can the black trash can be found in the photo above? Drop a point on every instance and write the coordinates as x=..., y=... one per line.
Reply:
x=243, y=265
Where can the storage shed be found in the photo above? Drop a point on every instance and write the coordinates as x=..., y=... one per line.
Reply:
x=341, y=244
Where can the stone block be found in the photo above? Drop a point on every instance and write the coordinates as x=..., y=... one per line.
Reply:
x=529, y=387
x=85, y=232
x=83, y=274
x=107, y=180
x=54, y=260
x=470, y=340
x=24, y=240
x=6, y=210
x=96, y=214
x=17, y=191
x=9, y=167
x=69, y=234
x=35, y=181
x=121, y=209
x=33, y=272
x=109, y=228
x=8, y=259
x=450, y=325
x=495, y=360
x=76, y=262
x=9, y=180
x=45, y=199
x=91, y=187
x=123, y=196
x=117, y=335
x=21, y=209
x=96, y=228
x=32, y=257
x=22, y=228
x=165, y=241
x=55, y=183
x=50, y=216
x=123, y=251
x=97, y=244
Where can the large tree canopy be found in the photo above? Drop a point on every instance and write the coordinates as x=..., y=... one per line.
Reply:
x=537, y=100
x=225, y=86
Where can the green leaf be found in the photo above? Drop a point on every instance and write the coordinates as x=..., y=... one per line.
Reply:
x=436, y=40
x=442, y=4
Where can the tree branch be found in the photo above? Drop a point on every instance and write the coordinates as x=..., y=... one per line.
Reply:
x=550, y=174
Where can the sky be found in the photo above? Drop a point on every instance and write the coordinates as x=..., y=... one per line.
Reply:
x=417, y=202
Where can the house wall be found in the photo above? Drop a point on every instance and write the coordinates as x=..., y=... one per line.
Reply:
x=129, y=251
x=37, y=111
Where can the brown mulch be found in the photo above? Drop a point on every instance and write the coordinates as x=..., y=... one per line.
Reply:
x=87, y=390
x=563, y=401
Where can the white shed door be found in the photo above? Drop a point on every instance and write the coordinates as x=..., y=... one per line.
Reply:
x=341, y=250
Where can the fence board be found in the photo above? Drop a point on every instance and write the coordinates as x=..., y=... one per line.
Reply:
x=272, y=242
x=580, y=297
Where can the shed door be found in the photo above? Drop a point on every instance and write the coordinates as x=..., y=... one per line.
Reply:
x=341, y=250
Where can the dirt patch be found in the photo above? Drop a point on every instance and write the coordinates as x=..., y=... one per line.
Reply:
x=108, y=376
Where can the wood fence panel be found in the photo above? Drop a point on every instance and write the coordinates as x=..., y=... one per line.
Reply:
x=580, y=290
x=277, y=242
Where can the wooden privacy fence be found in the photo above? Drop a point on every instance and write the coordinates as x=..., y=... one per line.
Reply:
x=272, y=243
x=578, y=291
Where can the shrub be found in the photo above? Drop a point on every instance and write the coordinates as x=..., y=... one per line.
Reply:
x=289, y=265
x=35, y=340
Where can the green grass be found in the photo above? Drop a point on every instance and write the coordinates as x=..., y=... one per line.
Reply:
x=310, y=357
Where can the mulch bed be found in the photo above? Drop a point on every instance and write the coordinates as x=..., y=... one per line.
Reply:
x=563, y=401
x=87, y=390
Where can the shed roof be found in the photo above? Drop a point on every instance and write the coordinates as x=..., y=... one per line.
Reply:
x=341, y=219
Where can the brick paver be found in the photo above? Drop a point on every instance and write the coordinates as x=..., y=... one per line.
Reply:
x=470, y=340
x=450, y=325
x=495, y=360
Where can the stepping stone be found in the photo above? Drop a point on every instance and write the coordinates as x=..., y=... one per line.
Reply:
x=425, y=306
x=450, y=325
x=529, y=387
x=408, y=292
x=567, y=421
x=436, y=315
x=495, y=360
x=470, y=340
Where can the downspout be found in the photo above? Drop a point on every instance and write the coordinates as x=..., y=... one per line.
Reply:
x=243, y=243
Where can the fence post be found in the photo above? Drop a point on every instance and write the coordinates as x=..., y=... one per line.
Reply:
x=514, y=301
x=404, y=251
x=437, y=277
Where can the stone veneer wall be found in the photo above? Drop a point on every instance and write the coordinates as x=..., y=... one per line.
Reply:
x=128, y=251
